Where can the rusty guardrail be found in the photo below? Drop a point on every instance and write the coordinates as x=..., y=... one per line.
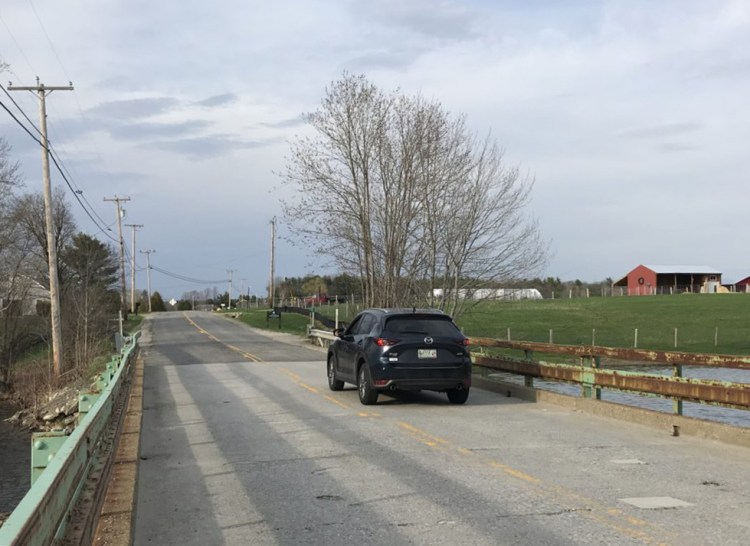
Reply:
x=592, y=378
x=589, y=374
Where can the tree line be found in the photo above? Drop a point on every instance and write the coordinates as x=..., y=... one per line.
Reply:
x=87, y=270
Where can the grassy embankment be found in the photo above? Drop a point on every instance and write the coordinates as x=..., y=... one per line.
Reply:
x=572, y=321
x=31, y=376
x=291, y=323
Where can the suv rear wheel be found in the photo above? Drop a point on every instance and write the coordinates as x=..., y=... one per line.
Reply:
x=333, y=383
x=458, y=396
x=367, y=394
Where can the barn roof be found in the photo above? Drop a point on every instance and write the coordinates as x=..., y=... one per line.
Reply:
x=700, y=269
x=674, y=270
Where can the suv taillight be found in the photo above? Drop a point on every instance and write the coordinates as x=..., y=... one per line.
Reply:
x=385, y=342
x=466, y=342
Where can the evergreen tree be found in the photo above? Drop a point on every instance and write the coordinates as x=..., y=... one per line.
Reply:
x=157, y=303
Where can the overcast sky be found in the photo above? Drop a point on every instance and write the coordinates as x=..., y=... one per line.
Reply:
x=632, y=116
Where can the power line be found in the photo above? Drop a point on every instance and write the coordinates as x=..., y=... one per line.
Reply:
x=20, y=49
x=76, y=192
x=183, y=278
x=21, y=110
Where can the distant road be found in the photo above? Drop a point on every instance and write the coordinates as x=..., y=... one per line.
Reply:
x=243, y=443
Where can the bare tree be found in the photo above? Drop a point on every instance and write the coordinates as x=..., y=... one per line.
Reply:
x=395, y=189
x=12, y=265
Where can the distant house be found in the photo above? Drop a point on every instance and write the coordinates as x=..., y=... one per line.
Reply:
x=646, y=280
x=23, y=296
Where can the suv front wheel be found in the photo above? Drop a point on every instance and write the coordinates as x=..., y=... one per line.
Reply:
x=368, y=395
x=333, y=383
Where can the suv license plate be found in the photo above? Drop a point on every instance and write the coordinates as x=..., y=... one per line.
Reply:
x=427, y=353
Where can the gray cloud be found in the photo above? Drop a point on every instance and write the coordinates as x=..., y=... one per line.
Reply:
x=208, y=146
x=393, y=59
x=674, y=147
x=146, y=131
x=286, y=123
x=217, y=100
x=662, y=130
x=134, y=108
x=444, y=21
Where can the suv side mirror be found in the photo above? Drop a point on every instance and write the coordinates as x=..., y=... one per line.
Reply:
x=339, y=332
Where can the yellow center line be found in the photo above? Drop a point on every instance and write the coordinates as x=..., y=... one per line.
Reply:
x=248, y=355
x=335, y=401
x=515, y=473
x=422, y=436
x=291, y=374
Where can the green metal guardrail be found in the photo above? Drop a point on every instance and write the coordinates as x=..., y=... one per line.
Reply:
x=60, y=463
x=592, y=378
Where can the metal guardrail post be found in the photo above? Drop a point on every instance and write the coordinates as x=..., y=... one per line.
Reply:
x=589, y=363
x=528, y=380
x=677, y=404
x=44, y=447
x=86, y=401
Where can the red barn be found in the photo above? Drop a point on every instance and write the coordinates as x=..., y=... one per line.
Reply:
x=647, y=280
x=742, y=286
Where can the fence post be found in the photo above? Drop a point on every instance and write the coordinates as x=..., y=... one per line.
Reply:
x=508, y=334
x=550, y=336
x=593, y=336
x=635, y=341
x=675, y=338
x=716, y=337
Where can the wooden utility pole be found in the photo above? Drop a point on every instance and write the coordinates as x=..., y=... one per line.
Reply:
x=117, y=201
x=273, y=259
x=148, y=274
x=229, y=294
x=54, y=282
x=132, y=267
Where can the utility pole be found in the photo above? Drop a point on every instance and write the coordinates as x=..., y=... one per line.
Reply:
x=148, y=273
x=132, y=267
x=117, y=201
x=273, y=259
x=229, y=294
x=54, y=282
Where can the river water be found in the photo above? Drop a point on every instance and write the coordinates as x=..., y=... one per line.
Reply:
x=15, y=461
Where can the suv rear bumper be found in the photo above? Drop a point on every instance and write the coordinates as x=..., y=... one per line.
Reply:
x=432, y=379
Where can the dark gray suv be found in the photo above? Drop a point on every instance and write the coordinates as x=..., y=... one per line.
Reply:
x=401, y=349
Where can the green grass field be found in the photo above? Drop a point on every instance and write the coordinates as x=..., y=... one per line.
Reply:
x=572, y=321
x=291, y=323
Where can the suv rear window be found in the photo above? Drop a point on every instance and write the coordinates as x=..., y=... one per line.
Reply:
x=433, y=325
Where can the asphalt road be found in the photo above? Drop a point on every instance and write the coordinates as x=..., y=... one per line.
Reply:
x=243, y=443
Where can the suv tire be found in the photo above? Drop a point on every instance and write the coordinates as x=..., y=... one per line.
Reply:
x=333, y=383
x=367, y=394
x=458, y=396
